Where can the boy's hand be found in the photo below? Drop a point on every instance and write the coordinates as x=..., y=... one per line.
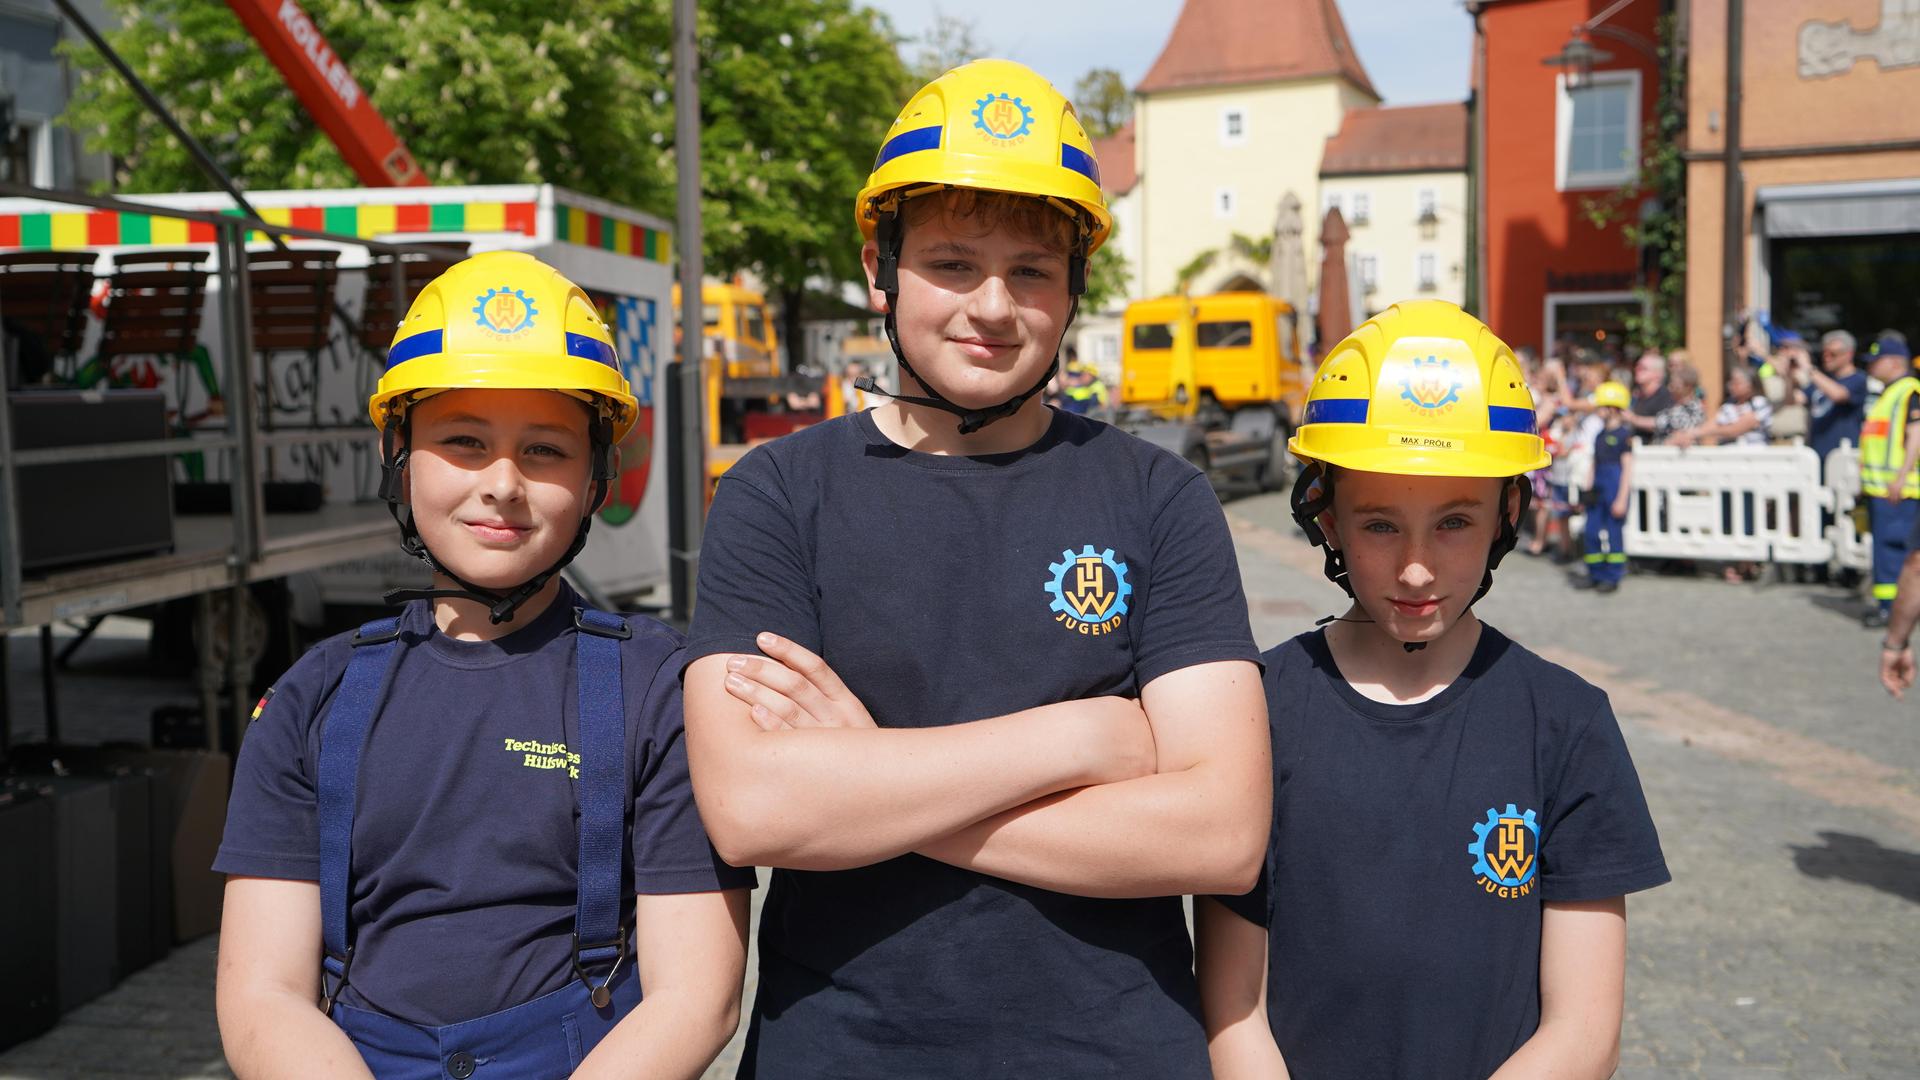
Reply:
x=1620, y=507
x=1897, y=670
x=792, y=688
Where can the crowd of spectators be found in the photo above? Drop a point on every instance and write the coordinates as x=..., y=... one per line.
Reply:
x=1775, y=391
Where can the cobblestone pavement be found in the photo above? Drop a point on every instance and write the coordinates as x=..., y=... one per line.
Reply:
x=1785, y=782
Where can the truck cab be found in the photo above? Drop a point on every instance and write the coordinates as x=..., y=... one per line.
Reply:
x=1218, y=379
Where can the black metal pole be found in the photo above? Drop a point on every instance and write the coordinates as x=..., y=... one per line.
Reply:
x=48, y=699
x=686, y=454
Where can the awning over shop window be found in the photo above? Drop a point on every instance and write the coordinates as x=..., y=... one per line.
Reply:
x=1867, y=208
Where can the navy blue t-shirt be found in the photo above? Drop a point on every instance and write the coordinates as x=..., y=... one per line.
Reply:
x=1830, y=421
x=943, y=590
x=464, y=838
x=1612, y=444
x=1413, y=848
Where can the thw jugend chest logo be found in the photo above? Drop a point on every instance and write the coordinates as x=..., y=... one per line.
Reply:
x=1506, y=851
x=1089, y=590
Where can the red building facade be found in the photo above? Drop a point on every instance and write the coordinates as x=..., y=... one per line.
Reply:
x=1543, y=146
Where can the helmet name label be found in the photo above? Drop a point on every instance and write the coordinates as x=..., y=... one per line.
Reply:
x=1426, y=442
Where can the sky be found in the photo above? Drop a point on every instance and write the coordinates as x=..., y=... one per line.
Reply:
x=1416, y=51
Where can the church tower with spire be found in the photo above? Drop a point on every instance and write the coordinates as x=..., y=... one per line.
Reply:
x=1232, y=117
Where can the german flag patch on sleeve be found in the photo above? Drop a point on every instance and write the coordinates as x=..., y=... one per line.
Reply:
x=261, y=706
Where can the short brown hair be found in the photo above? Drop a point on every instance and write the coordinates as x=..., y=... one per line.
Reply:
x=976, y=212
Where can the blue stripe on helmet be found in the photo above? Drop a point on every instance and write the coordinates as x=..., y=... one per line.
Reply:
x=1512, y=418
x=1337, y=411
x=590, y=348
x=1080, y=161
x=909, y=142
x=421, y=344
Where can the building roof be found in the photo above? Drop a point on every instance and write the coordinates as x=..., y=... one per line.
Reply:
x=1115, y=155
x=1229, y=42
x=1409, y=138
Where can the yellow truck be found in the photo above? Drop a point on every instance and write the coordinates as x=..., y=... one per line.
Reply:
x=750, y=395
x=1219, y=380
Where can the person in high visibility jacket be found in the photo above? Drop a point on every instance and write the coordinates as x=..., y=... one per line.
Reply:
x=1083, y=393
x=1887, y=477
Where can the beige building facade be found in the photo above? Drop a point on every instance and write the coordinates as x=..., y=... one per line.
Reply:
x=1230, y=119
x=1398, y=176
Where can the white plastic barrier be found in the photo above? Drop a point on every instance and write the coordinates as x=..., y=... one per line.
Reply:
x=1852, y=544
x=1733, y=503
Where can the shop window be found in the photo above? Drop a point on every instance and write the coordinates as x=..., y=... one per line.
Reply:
x=1597, y=131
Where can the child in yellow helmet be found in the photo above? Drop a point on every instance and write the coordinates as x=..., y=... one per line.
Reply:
x=976, y=675
x=404, y=806
x=1609, y=491
x=1456, y=821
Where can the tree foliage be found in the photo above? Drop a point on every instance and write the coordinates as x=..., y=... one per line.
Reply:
x=795, y=96
x=948, y=43
x=1103, y=101
x=1109, y=278
x=1658, y=196
x=1258, y=251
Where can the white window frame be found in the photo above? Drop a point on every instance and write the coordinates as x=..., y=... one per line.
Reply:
x=1333, y=200
x=1224, y=203
x=1228, y=137
x=1550, y=316
x=1426, y=204
x=1426, y=271
x=1369, y=267
x=40, y=145
x=1563, y=132
x=1362, y=208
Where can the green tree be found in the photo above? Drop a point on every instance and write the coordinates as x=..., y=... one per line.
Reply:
x=1651, y=208
x=1108, y=275
x=1103, y=101
x=1257, y=251
x=948, y=43
x=795, y=96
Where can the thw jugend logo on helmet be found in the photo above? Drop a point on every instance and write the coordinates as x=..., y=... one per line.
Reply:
x=1089, y=590
x=505, y=311
x=1432, y=386
x=1003, y=117
x=1506, y=853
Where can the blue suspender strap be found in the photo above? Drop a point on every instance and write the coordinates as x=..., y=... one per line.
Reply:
x=599, y=937
x=376, y=647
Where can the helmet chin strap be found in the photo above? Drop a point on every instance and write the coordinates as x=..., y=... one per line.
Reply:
x=396, y=446
x=1313, y=495
x=889, y=238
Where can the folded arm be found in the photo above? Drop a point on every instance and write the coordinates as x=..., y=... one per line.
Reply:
x=773, y=792
x=1199, y=825
x=1583, y=975
x=267, y=988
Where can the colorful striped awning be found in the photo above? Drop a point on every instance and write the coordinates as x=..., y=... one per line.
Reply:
x=99, y=228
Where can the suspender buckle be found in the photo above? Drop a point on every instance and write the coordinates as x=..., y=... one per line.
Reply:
x=590, y=622
x=603, y=993
x=333, y=968
x=378, y=637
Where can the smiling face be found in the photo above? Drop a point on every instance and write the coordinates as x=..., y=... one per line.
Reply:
x=983, y=294
x=1415, y=546
x=498, y=480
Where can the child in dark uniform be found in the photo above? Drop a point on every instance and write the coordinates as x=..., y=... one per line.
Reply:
x=1609, y=492
x=1456, y=821
x=974, y=674
x=452, y=831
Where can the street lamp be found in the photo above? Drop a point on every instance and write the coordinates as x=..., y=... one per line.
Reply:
x=1577, y=58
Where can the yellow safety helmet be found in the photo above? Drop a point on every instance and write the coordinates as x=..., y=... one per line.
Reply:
x=504, y=320
x=1612, y=395
x=994, y=125
x=1422, y=389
